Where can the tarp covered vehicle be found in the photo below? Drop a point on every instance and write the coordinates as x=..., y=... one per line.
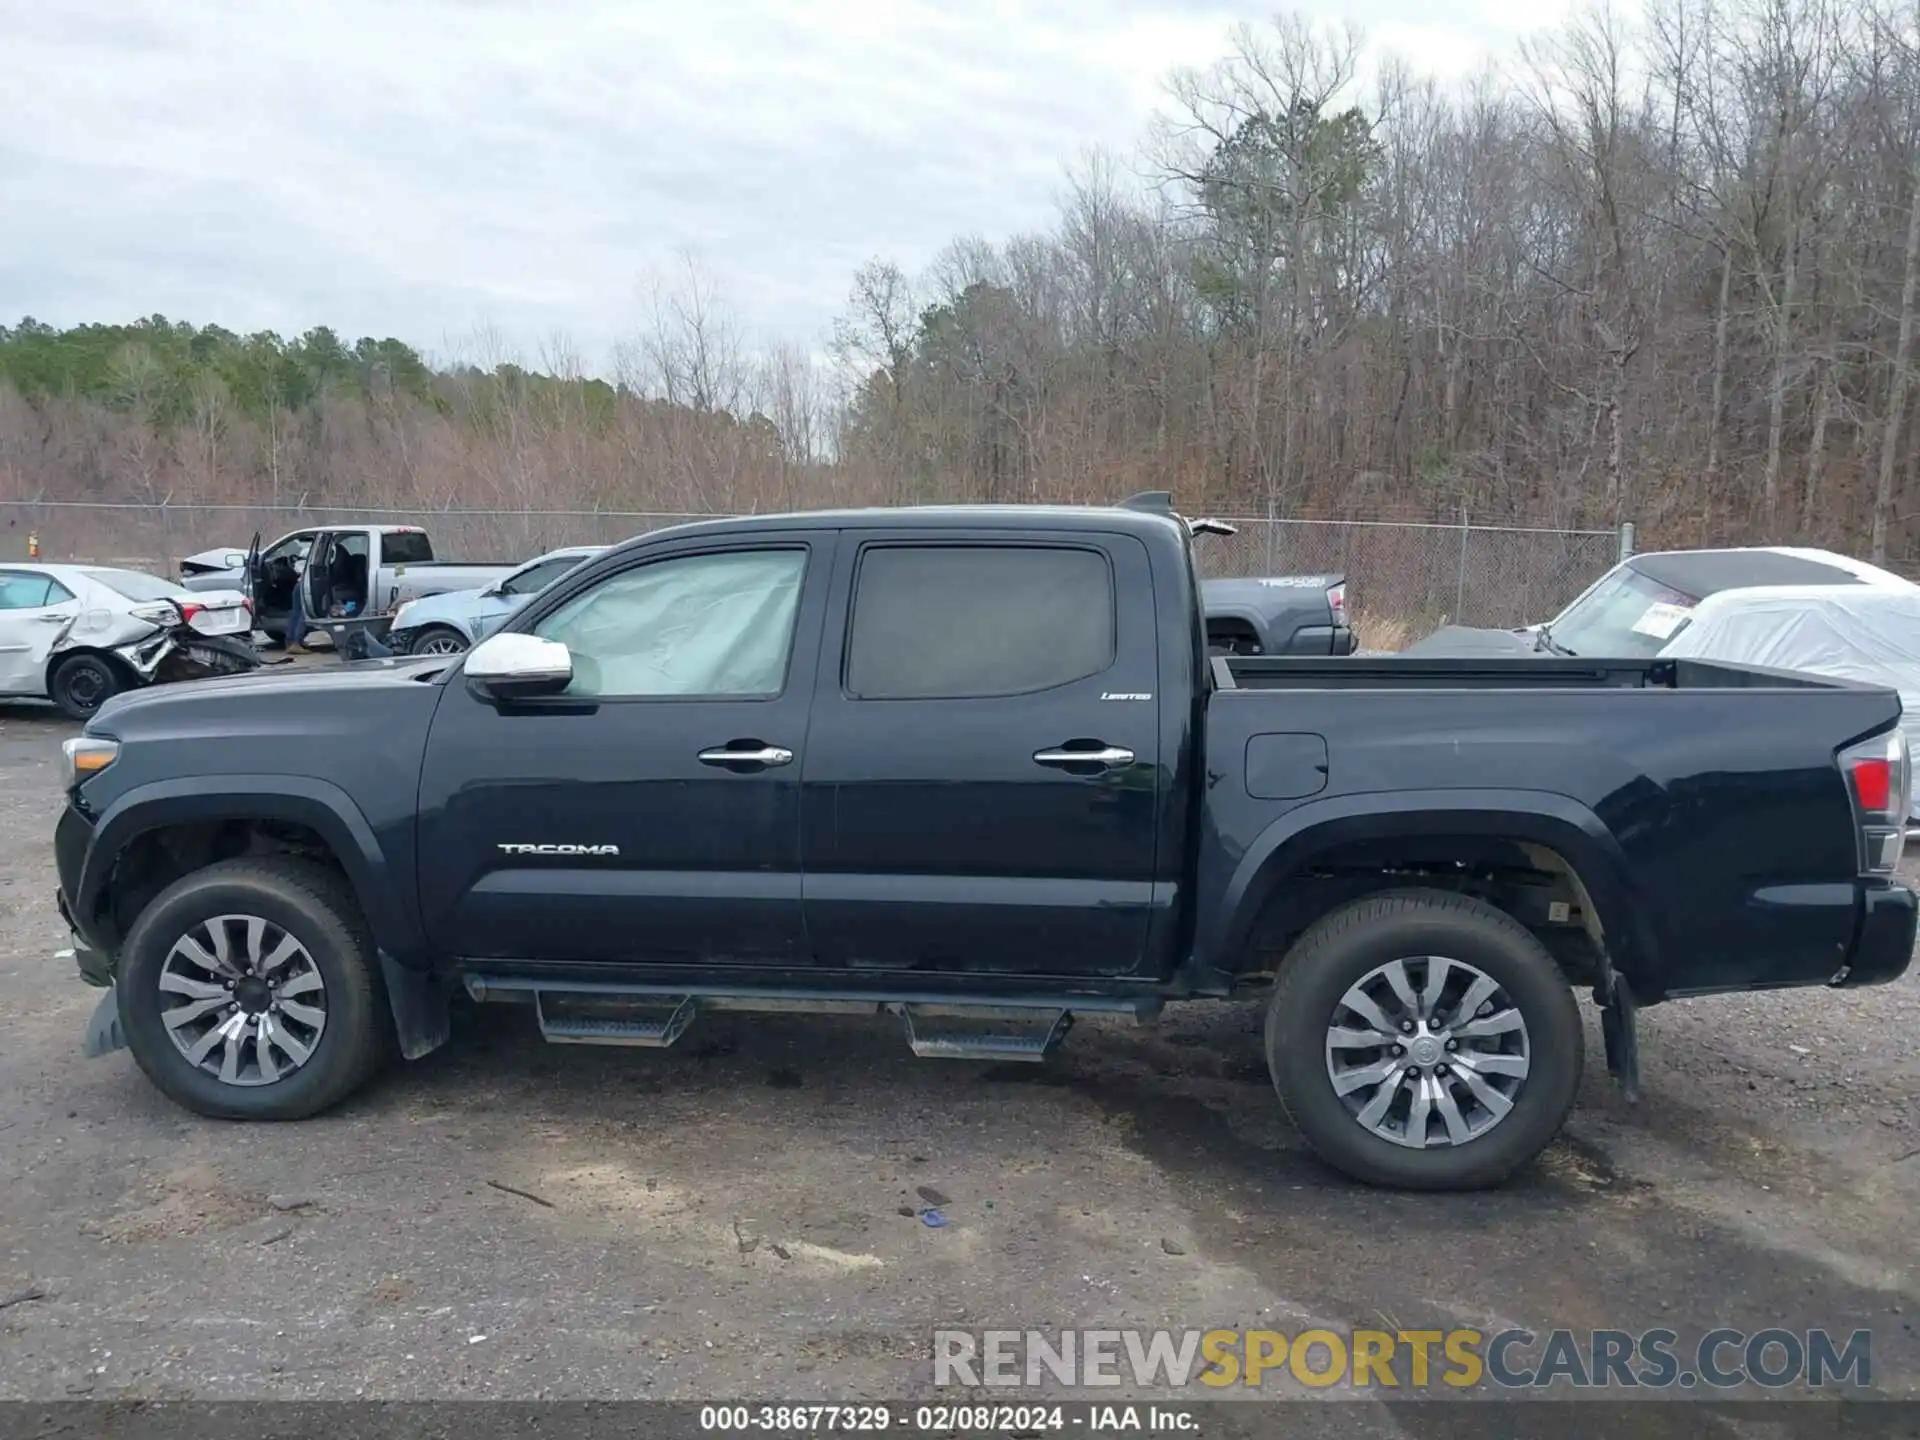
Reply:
x=1846, y=632
x=1632, y=611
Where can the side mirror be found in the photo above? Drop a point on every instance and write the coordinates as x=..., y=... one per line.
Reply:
x=513, y=667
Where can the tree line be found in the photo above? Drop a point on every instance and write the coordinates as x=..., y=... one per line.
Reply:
x=1658, y=267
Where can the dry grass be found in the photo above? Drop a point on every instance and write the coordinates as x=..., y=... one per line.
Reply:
x=1389, y=632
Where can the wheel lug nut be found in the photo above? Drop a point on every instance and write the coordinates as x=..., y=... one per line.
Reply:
x=1453, y=1044
x=1406, y=1027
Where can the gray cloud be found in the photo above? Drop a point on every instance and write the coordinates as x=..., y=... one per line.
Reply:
x=424, y=168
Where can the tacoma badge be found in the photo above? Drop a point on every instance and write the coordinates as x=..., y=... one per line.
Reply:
x=561, y=849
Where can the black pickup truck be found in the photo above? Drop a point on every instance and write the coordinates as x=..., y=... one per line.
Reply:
x=722, y=767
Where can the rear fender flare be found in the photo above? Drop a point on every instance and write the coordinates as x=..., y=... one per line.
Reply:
x=1291, y=843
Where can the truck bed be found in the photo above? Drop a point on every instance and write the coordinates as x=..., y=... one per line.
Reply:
x=1261, y=672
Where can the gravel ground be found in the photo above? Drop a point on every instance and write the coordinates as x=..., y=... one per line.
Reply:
x=736, y=1216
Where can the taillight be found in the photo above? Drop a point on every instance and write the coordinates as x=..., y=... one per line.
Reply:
x=188, y=610
x=1337, y=600
x=1878, y=775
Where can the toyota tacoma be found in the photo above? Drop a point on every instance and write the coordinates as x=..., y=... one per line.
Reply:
x=721, y=767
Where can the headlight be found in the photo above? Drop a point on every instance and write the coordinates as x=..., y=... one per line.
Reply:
x=87, y=755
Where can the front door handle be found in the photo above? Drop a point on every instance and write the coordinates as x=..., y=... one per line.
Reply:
x=1111, y=757
x=747, y=754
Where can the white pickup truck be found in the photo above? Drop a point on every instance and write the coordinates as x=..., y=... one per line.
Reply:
x=350, y=572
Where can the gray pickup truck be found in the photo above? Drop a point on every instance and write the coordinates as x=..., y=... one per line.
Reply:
x=351, y=572
x=1278, y=615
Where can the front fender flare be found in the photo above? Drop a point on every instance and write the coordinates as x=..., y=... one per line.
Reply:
x=1291, y=843
x=298, y=799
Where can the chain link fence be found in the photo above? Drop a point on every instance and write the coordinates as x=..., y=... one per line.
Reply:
x=1404, y=578
x=156, y=537
x=1420, y=576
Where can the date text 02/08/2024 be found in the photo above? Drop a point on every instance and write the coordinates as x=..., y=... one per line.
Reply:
x=948, y=1419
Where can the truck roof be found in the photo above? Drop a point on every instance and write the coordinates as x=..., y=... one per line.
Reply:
x=937, y=517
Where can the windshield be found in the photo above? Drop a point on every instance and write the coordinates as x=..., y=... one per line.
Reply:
x=133, y=585
x=1625, y=616
x=539, y=575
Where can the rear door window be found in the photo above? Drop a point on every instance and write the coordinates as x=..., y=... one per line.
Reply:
x=976, y=621
x=23, y=590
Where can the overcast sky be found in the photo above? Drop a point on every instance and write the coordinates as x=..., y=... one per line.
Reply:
x=423, y=167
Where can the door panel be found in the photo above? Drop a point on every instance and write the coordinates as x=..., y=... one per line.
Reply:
x=935, y=840
x=35, y=611
x=671, y=858
x=277, y=569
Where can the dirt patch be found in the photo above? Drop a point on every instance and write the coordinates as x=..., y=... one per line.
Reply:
x=189, y=1201
x=392, y=1292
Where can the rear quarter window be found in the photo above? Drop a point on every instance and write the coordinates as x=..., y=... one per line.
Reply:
x=406, y=547
x=133, y=584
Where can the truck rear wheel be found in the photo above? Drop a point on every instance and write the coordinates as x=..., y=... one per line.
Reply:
x=249, y=991
x=1424, y=1040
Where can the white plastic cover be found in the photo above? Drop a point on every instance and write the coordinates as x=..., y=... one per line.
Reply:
x=705, y=625
x=1864, y=633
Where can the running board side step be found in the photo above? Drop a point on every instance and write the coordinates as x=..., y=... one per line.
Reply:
x=1024, y=1028
x=1004, y=1040
x=652, y=1027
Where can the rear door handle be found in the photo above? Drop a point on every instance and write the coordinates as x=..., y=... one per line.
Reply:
x=1111, y=756
x=747, y=755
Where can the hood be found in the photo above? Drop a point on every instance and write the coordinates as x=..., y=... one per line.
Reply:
x=1466, y=642
x=355, y=733
x=442, y=602
x=224, y=557
x=358, y=691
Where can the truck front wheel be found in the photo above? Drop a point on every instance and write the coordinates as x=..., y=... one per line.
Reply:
x=249, y=991
x=1424, y=1040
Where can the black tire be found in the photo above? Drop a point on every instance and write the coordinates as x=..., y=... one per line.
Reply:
x=81, y=684
x=312, y=904
x=1340, y=949
x=417, y=643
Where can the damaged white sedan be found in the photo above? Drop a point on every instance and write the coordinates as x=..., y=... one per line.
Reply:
x=80, y=634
